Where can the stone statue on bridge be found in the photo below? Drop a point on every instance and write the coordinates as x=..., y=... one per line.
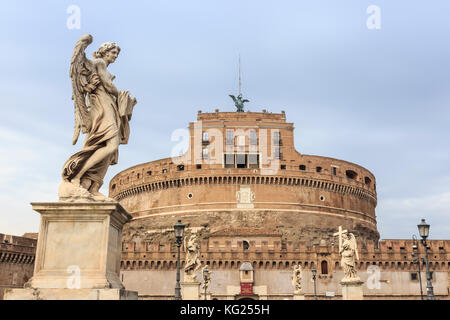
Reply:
x=349, y=252
x=103, y=113
x=192, y=262
x=297, y=277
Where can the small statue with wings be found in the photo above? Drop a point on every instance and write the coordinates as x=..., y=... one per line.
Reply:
x=349, y=252
x=238, y=102
x=102, y=112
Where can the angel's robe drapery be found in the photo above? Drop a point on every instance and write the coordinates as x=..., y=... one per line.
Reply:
x=110, y=117
x=348, y=259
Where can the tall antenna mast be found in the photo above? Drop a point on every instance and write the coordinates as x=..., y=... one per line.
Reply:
x=239, y=73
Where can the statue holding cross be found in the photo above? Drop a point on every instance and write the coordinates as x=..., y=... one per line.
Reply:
x=349, y=252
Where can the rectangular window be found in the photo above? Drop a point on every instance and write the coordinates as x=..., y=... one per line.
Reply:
x=205, y=136
x=241, y=141
x=276, y=138
x=334, y=171
x=229, y=160
x=241, y=161
x=277, y=154
x=253, y=138
x=253, y=160
x=205, y=153
x=230, y=138
x=414, y=276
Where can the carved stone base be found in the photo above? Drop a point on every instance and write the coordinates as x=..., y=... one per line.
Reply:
x=352, y=289
x=208, y=296
x=68, y=192
x=70, y=294
x=190, y=290
x=79, y=247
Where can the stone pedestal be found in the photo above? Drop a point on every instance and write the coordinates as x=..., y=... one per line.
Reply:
x=190, y=290
x=78, y=252
x=352, y=290
x=299, y=296
x=70, y=294
x=208, y=296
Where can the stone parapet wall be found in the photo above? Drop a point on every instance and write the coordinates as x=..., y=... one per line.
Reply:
x=276, y=284
x=165, y=174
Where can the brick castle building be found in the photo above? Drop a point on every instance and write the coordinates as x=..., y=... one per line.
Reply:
x=17, y=256
x=259, y=207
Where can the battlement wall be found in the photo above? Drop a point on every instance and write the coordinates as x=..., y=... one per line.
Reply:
x=17, y=255
x=276, y=254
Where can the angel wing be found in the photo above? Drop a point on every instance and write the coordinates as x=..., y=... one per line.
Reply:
x=245, y=100
x=84, y=80
x=355, y=247
x=233, y=97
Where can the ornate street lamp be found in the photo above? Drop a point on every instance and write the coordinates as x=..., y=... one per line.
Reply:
x=424, y=230
x=178, y=230
x=417, y=261
x=314, y=272
x=205, y=279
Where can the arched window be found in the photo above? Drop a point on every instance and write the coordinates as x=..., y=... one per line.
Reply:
x=367, y=181
x=245, y=245
x=324, y=267
x=351, y=174
x=205, y=136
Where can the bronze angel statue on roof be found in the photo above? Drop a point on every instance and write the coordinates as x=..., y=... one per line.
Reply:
x=238, y=102
x=102, y=112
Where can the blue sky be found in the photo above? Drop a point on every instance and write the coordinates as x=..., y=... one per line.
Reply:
x=378, y=98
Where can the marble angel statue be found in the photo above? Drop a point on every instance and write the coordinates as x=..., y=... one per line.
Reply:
x=192, y=263
x=349, y=253
x=102, y=112
x=297, y=277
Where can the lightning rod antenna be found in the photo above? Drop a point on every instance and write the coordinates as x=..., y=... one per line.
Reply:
x=239, y=73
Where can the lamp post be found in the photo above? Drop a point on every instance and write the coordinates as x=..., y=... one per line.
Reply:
x=424, y=230
x=417, y=260
x=314, y=272
x=178, y=230
x=205, y=279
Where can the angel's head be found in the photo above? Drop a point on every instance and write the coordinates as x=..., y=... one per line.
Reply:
x=108, y=51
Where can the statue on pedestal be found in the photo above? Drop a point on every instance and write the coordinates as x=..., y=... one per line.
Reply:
x=297, y=277
x=103, y=113
x=349, y=252
x=192, y=263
